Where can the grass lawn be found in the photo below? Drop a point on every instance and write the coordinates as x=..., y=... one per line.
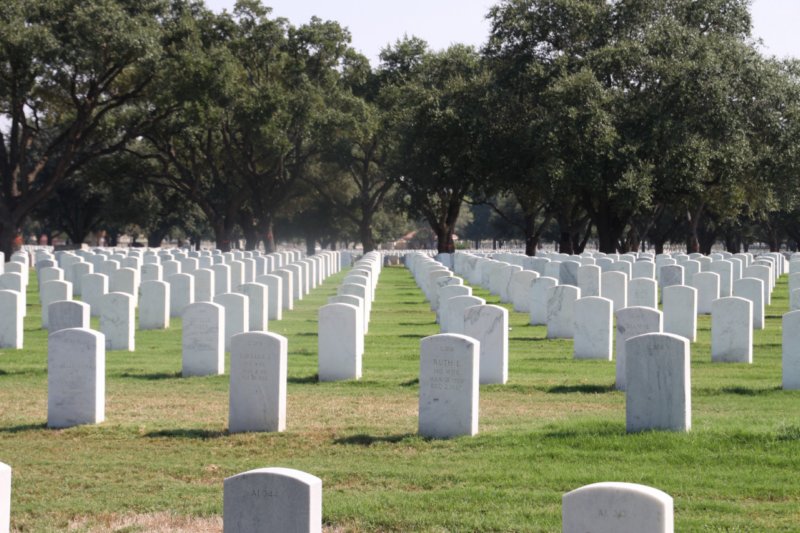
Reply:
x=158, y=461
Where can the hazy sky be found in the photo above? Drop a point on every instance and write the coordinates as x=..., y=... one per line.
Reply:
x=376, y=23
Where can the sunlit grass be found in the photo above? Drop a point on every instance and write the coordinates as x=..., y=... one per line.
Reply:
x=162, y=453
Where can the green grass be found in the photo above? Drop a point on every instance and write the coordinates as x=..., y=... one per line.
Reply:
x=162, y=453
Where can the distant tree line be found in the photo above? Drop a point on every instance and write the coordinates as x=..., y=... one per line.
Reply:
x=616, y=122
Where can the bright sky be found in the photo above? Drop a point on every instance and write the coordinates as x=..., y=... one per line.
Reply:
x=376, y=23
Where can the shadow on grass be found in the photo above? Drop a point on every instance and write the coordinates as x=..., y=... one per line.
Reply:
x=369, y=440
x=152, y=377
x=586, y=430
x=586, y=389
x=314, y=378
x=411, y=336
x=201, y=434
x=24, y=427
x=744, y=391
x=410, y=383
x=307, y=334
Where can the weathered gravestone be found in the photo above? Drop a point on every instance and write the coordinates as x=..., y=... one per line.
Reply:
x=237, y=314
x=589, y=280
x=612, y=507
x=791, y=350
x=658, y=391
x=538, y=300
x=11, y=332
x=258, y=382
x=448, y=386
x=520, y=289
x=68, y=314
x=279, y=500
x=732, y=330
x=154, y=299
x=76, y=378
x=488, y=324
x=203, y=339
x=643, y=292
x=593, y=328
x=117, y=315
x=452, y=317
x=633, y=321
x=680, y=311
x=561, y=311
x=451, y=291
x=340, y=342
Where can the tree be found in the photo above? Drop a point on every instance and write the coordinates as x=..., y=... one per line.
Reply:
x=70, y=71
x=437, y=99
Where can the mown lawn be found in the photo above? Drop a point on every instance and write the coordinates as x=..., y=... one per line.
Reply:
x=158, y=461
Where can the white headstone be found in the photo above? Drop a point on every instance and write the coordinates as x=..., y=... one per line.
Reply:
x=658, y=391
x=612, y=507
x=614, y=286
x=488, y=324
x=272, y=499
x=258, y=382
x=589, y=280
x=181, y=293
x=237, y=314
x=204, y=290
x=680, y=311
x=274, y=286
x=68, y=314
x=791, y=350
x=11, y=333
x=633, y=321
x=154, y=299
x=76, y=378
x=53, y=291
x=752, y=289
x=538, y=300
x=521, y=283
x=725, y=271
x=94, y=287
x=448, y=386
x=203, y=339
x=560, y=311
x=340, y=342
x=452, y=313
x=643, y=269
x=117, y=321
x=643, y=292
x=287, y=288
x=258, y=299
x=5, y=487
x=707, y=285
x=732, y=330
x=593, y=328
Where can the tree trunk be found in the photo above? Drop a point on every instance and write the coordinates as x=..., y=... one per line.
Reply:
x=222, y=236
x=8, y=236
x=692, y=239
x=155, y=238
x=365, y=234
x=565, y=243
x=444, y=239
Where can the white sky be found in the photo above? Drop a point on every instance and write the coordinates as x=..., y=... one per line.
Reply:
x=376, y=23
